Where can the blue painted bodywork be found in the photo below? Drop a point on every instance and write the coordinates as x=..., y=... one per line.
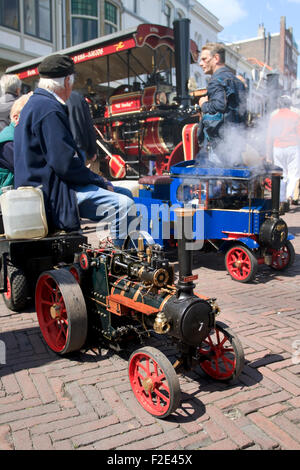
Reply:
x=228, y=224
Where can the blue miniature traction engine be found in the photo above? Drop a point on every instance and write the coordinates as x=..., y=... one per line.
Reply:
x=121, y=296
x=239, y=217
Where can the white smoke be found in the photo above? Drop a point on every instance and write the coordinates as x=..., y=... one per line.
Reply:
x=242, y=146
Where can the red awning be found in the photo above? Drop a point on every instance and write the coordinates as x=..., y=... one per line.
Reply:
x=135, y=45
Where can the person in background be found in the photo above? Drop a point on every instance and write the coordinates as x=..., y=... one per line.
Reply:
x=7, y=143
x=46, y=154
x=224, y=106
x=283, y=147
x=10, y=89
x=81, y=124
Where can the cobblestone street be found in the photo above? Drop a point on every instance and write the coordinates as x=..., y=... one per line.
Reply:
x=84, y=401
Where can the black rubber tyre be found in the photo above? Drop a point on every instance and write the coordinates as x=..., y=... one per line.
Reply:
x=61, y=311
x=225, y=354
x=154, y=382
x=16, y=297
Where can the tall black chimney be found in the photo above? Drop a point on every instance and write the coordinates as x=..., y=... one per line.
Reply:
x=185, y=284
x=182, y=59
x=275, y=195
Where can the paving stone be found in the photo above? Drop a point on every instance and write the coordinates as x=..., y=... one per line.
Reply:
x=84, y=401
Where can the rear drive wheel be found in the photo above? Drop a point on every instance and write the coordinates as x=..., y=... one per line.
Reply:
x=16, y=296
x=154, y=382
x=221, y=354
x=61, y=311
x=241, y=263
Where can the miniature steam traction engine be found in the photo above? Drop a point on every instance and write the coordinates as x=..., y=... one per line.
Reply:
x=124, y=295
x=239, y=218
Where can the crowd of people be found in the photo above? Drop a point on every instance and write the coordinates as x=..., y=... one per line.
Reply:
x=45, y=154
x=224, y=120
x=47, y=138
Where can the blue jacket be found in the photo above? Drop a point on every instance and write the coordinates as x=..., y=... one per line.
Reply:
x=226, y=103
x=45, y=154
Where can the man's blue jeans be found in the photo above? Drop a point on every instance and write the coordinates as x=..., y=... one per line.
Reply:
x=97, y=204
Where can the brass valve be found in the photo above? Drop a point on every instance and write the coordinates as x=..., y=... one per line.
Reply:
x=161, y=325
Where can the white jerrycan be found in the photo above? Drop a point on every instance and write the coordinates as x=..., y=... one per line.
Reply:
x=23, y=213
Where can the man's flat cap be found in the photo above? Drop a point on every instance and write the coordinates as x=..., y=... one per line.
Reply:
x=56, y=66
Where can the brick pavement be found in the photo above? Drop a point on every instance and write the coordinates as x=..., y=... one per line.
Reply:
x=85, y=401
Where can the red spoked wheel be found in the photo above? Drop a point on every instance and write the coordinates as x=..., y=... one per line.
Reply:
x=154, y=382
x=241, y=263
x=284, y=257
x=221, y=354
x=61, y=311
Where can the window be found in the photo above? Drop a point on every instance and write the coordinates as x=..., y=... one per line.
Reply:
x=111, y=18
x=168, y=15
x=86, y=7
x=84, y=20
x=37, y=18
x=9, y=14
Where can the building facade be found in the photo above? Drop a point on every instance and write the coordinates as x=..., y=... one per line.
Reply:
x=35, y=28
x=277, y=53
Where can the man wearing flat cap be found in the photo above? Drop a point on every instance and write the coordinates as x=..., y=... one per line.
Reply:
x=46, y=154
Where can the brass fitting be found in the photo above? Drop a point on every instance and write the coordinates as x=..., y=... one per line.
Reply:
x=161, y=325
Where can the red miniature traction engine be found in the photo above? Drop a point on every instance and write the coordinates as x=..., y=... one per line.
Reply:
x=142, y=112
x=121, y=297
x=148, y=127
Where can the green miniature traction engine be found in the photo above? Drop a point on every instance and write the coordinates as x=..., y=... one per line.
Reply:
x=124, y=295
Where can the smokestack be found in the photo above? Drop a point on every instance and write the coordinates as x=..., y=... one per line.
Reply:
x=275, y=195
x=185, y=284
x=182, y=59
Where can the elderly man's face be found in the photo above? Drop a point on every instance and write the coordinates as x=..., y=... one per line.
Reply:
x=208, y=62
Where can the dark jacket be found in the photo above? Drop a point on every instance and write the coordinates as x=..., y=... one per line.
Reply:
x=7, y=147
x=227, y=103
x=6, y=102
x=45, y=154
x=7, y=156
x=81, y=124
